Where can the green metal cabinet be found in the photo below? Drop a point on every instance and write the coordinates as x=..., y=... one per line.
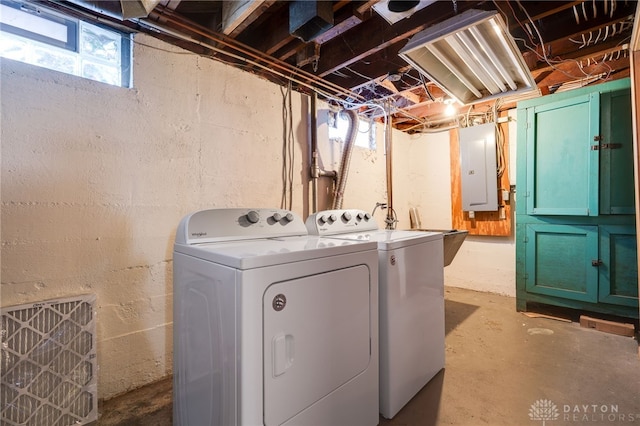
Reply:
x=575, y=211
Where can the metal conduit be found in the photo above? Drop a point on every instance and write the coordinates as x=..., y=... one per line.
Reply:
x=315, y=172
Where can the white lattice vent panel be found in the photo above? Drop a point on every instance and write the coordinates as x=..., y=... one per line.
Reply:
x=48, y=366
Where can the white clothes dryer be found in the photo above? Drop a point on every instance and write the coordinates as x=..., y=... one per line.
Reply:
x=272, y=326
x=411, y=275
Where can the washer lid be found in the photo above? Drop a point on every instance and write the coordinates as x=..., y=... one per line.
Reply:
x=391, y=239
x=250, y=254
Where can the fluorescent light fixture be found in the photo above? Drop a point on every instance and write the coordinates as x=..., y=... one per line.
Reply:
x=471, y=56
x=635, y=35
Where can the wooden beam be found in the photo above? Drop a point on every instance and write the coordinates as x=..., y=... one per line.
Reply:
x=592, y=52
x=343, y=25
x=365, y=8
x=562, y=25
x=540, y=10
x=572, y=71
x=613, y=327
x=359, y=43
x=566, y=48
x=407, y=94
x=378, y=65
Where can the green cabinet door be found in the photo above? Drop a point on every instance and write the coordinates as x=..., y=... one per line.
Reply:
x=618, y=270
x=559, y=261
x=562, y=164
x=616, y=154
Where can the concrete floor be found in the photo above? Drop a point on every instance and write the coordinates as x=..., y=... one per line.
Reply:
x=500, y=366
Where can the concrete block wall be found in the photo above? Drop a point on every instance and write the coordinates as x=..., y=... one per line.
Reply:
x=95, y=178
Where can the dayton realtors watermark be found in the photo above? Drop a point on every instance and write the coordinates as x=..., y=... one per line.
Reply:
x=545, y=410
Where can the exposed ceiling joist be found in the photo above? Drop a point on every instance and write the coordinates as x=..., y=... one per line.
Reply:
x=356, y=60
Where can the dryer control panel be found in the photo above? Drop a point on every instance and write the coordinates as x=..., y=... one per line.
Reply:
x=238, y=224
x=332, y=222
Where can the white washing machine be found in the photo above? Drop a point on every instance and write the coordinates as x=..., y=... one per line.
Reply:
x=272, y=326
x=411, y=292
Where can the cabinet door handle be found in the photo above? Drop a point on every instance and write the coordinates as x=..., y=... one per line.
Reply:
x=596, y=262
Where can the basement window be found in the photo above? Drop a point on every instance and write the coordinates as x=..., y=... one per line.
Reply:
x=339, y=126
x=38, y=36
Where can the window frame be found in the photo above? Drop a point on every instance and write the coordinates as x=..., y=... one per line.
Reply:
x=72, y=26
x=370, y=134
x=72, y=43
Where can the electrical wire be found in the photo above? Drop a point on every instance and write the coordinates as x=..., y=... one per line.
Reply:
x=526, y=31
x=500, y=142
x=543, y=56
x=426, y=89
x=253, y=57
x=553, y=63
x=288, y=152
x=345, y=104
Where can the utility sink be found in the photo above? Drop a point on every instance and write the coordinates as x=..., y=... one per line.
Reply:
x=453, y=239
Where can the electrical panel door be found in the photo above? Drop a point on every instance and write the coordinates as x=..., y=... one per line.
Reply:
x=479, y=168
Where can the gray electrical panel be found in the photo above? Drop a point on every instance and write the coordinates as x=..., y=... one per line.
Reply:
x=478, y=168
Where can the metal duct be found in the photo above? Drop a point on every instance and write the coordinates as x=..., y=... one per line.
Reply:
x=137, y=8
x=123, y=9
x=346, y=159
x=309, y=18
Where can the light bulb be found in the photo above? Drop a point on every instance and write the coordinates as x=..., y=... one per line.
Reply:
x=449, y=110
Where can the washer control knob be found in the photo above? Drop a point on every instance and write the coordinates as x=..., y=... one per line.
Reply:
x=346, y=216
x=359, y=216
x=253, y=216
x=367, y=216
x=322, y=219
x=277, y=217
x=288, y=217
x=333, y=218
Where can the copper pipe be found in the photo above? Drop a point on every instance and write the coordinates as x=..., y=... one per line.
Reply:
x=314, y=153
x=390, y=220
x=169, y=15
